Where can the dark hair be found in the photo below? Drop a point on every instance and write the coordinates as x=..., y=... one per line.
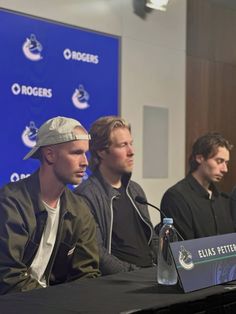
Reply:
x=207, y=145
x=100, y=133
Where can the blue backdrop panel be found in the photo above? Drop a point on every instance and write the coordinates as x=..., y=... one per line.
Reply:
x=50, y=69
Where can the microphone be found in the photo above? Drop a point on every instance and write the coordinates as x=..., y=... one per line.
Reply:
x=143, y=201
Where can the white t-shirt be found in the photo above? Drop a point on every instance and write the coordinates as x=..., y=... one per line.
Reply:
x=42, y=257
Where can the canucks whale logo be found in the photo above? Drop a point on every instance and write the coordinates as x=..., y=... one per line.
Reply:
x=185, y=258
x=80, y=98
x=32, y=48
x=29, y=135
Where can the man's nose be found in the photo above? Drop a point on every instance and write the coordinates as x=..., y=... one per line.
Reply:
x=84, y=160
x=224, y=167
x=130, y=150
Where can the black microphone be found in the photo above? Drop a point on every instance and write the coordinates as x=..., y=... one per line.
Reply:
x=143, y=201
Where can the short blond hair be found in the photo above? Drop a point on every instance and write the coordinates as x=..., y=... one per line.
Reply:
x=100, y=133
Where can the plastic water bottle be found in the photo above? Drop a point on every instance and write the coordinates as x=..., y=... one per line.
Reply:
x=166, y=271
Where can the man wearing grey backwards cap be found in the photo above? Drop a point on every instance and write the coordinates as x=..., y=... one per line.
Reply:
x=47, y=234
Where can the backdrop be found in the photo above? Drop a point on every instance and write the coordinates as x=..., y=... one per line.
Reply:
x=50, y=69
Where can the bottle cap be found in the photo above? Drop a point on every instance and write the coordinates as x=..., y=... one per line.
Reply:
x=168, y=221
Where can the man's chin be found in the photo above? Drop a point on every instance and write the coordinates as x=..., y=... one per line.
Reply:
x=127, y=171
x=217, y=179
x=76, y=181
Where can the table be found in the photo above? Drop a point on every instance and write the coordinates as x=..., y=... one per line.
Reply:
x=134, y=292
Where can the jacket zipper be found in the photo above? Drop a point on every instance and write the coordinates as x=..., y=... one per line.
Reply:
x=111, y=226
x=151, y=235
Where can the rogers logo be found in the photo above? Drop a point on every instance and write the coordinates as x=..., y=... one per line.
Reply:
x=80, y=56
x=18, y=89
x=18, y=176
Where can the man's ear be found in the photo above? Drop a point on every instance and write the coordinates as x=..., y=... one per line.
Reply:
x=48, y=154
x=199, y=158
x=101, y=153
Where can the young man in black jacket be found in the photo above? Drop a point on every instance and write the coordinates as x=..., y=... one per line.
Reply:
x=197, y=207
x=124, y=231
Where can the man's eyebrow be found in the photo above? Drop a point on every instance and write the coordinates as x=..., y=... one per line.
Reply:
x=78, y=150
x=222, y=159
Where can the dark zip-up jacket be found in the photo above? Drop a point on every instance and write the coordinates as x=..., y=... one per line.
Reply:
x=100, y=195
x=22, y=221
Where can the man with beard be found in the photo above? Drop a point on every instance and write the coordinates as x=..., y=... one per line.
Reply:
x=124, y=231
x=47, y=233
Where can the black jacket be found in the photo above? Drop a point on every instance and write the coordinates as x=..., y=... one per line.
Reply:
x=196, y=215
x=99, y=196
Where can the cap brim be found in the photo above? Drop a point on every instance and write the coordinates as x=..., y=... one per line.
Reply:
x=31, y=152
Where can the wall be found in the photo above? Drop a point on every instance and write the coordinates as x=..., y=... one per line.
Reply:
x=211, y=74
x=152, y=68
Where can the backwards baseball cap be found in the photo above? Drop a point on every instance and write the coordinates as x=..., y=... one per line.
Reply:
x=55, y=131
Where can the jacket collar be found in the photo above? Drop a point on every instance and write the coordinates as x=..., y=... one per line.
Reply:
x=33, y=186
x=198, y=188
x=109, y=190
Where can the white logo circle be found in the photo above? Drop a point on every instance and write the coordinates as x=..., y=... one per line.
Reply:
x=16, y=176
x=67, y=54
x=16, y=89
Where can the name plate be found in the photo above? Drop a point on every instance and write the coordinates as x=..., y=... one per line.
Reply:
x=205, y=262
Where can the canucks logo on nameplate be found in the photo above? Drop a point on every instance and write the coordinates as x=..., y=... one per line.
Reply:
x=185, y=258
